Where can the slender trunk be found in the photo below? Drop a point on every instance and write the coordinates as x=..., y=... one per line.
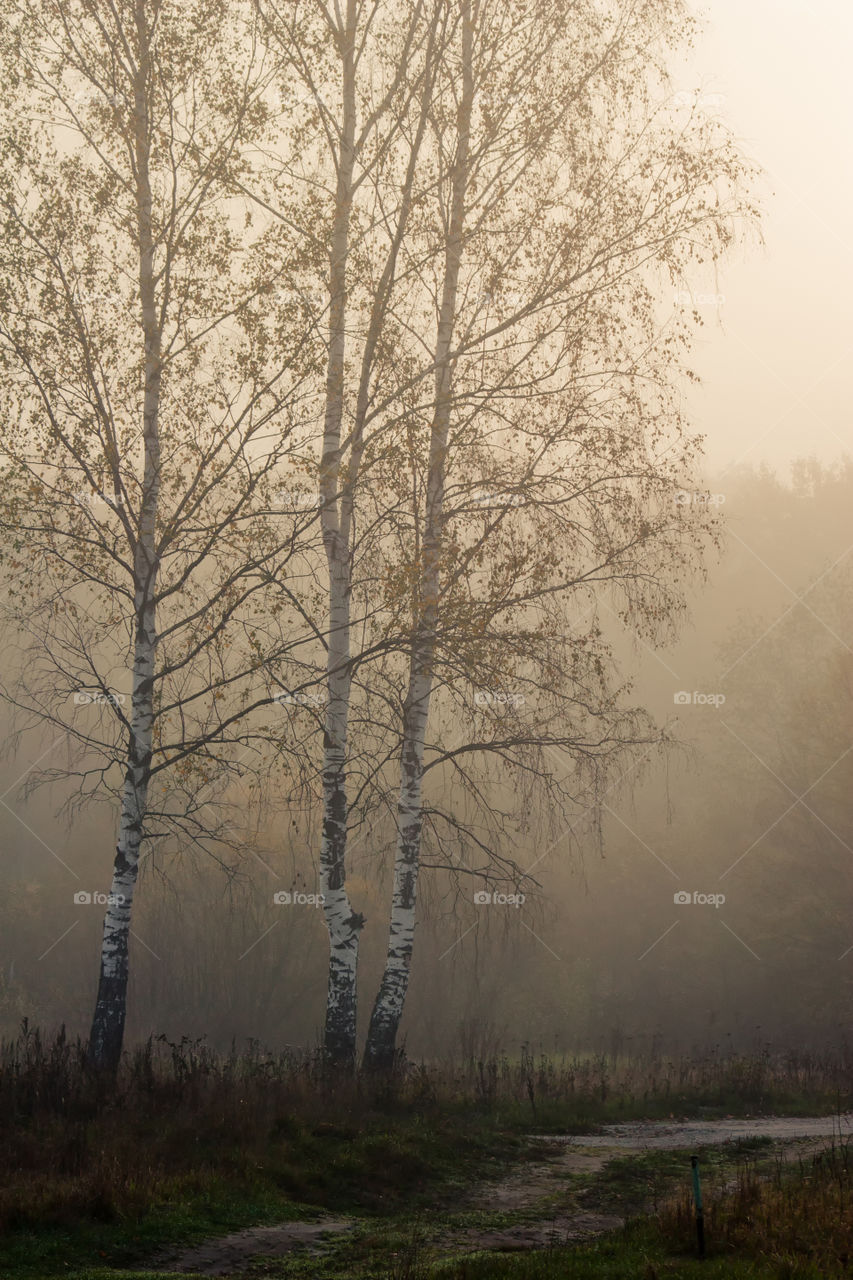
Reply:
x=107, y=1034
x=380, y=1049
x=343, y=924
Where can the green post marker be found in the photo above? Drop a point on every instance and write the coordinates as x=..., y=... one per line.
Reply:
x=697, y=1200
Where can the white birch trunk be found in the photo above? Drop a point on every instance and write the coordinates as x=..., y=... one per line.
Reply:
x=380, y=1049
x=107, y=1034
x=388, y=1008
x=342, y=923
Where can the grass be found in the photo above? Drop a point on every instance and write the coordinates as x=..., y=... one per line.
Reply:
x=169, y=1186
x=639, y=1253
x=190, y=1144
x=799, y=1217
x=633, y=1183
x=795, y=1224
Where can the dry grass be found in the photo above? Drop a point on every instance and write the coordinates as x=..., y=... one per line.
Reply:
x=803, y=1213
x=182, y=1121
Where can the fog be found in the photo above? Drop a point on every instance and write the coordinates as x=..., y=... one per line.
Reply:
x=599, y=955
x=706, y=899
x=774, y=355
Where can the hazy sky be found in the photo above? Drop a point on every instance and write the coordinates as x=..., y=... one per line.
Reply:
x=777, y=380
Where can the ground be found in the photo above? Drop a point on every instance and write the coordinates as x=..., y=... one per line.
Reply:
x=258, y=1165
x=569, y=1190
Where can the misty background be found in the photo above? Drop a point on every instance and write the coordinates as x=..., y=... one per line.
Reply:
x=600, y=955
x=753, y=802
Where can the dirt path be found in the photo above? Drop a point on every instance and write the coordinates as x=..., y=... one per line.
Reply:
x=661, y=1135
x=230, y=1255
x=534, y=1184
x=538, y=1182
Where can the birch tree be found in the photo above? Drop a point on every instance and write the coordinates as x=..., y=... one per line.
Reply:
x=363, y=73
x=140, y=460
x=573, y=200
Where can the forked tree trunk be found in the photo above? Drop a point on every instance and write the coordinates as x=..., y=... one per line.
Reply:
x=380, y=1049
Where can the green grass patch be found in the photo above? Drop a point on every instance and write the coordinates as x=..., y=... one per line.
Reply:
x=638, y=1253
